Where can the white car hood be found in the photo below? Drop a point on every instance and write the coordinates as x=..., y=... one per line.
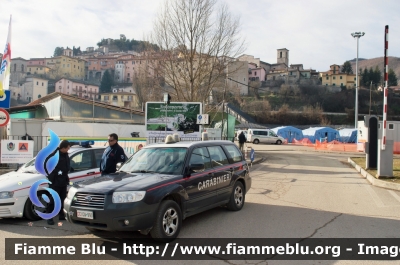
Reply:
x=18, y=180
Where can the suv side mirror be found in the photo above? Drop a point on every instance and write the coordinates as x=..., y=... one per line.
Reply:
x=196, y=168
x=118, y=166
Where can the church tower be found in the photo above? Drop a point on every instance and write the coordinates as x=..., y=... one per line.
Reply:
x=283, y=56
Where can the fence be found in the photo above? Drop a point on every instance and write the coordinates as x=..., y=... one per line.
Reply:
x=130, y=145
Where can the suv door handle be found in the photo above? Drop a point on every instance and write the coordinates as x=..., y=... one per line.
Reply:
x=90, y=173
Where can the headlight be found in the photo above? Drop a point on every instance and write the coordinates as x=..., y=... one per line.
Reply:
x=71, y=193
x=6, y=194
x=127, y=196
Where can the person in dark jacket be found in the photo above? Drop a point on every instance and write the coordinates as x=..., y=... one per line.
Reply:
x=59, y=178
x=113, y=155
x=242, y=140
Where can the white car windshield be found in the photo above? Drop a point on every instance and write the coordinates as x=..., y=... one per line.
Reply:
x=168, y=160
x=28, y=167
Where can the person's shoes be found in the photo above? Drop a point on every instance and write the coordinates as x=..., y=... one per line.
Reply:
x=61, y=218
x=50, y=222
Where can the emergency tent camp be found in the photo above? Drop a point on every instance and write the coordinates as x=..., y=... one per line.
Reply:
x=289, y=133
x=348, y=135
x=320, y=133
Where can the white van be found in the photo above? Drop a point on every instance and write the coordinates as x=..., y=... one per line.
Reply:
x=267, y=136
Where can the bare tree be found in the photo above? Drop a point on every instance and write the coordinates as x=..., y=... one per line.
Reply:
x=197, y=39
x=147, y=82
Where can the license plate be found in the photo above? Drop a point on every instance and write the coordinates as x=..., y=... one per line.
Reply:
x=84, y=214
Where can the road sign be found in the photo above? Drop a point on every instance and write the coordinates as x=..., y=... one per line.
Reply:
x=252, y=155
x=5, y=100
x=4, y=117
x=202, y=119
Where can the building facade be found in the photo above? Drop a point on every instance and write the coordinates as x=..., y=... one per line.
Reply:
x=82, y=89
x=121, y=99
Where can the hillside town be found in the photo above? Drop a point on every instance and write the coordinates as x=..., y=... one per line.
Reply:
x=81, y=75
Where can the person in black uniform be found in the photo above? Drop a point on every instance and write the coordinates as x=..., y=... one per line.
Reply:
x=59, y=178
x=113, y=155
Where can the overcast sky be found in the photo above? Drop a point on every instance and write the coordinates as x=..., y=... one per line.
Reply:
x=317, y=33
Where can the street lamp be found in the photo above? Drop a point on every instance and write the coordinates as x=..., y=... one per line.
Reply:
x=357, y=35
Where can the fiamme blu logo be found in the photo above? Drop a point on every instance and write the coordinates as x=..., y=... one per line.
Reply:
x=44, y=165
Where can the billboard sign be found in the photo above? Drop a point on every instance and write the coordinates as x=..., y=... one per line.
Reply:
x=176, y=117
x=16, y=151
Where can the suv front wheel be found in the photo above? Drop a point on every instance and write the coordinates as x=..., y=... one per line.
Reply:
x=168, y=222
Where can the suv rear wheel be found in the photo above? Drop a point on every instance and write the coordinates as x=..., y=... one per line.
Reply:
x=256, y=141
x=168, y=222
x=236, y=201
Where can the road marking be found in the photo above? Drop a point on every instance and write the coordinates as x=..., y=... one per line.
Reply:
x=397, y=197
x=375, y=197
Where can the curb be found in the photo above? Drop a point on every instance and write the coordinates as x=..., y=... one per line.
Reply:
x=371, y=179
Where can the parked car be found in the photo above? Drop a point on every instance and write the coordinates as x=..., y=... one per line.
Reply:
x=161, y=185
x=267, y=136
x=14, y=186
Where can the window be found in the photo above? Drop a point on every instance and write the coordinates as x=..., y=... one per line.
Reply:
x=200, y=156
x=341, y=84
x=327, y=78
x=115, y=97
x=354, y=79
x=272, y=134
x=233, y=153
x=59, y=87
x=217, y=155
x=129, y=98
x=82, y=161
x=340, y=77
x=379, y=126
x=42, y=83
x=37, y=83
x=391, y=126
x=106, y=97
x=98, y=153
x=39, y=96
x=15, y=67
x=333, y=84
x=334, y=77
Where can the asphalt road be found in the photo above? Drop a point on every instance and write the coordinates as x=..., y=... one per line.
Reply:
x=296, y=193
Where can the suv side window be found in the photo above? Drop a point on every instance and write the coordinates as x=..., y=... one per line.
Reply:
x=218, y=157
x=98, y=153
x=233, y=153
x=82, y=161
x=271, y=133
x=200, y=156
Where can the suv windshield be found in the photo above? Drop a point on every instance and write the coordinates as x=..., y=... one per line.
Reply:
x=168, y=160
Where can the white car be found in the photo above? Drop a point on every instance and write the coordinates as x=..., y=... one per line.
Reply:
x=14, y=186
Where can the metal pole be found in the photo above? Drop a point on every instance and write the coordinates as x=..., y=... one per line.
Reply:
x=166, y=117
x=370, y=87
x=356, y=107
x=386, y=91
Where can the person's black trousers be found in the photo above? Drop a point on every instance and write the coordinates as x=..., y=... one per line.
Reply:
x=62, y=192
